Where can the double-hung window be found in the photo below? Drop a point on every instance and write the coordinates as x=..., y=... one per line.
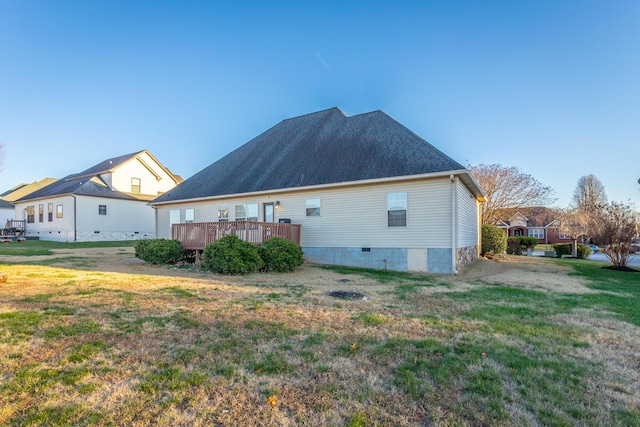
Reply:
x=40, y=213
x=247, y=212
x=223, y=214
x=538, y=233
x=189, y=215
x=397, y=209
x=31, y=213
x=102, y=209
x=50, y=211
x=135, y=185
x=174, y=216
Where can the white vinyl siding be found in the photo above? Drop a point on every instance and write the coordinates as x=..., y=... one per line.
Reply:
x=468, y=225
x=351, y=216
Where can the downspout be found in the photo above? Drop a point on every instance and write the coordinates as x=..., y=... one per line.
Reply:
x=75, y=223
x=454, y=223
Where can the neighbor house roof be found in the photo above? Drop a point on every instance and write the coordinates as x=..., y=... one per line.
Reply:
x=321, y=148
x=22, y=190
x=89, y=182
x=536, y=216
x=5, y=205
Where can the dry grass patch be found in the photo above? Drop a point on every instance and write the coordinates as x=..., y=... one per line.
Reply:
x=115, y=341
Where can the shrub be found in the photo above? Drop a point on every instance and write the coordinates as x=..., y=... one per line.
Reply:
x=494, y=240
x=565, y=249
x=584, y=251
x=519, y=244
x=562, y=249
x=230, y=255
x=158, y=251
x=280, y=255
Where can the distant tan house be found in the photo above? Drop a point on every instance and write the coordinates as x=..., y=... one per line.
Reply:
x=539, y=222
x=7, y=210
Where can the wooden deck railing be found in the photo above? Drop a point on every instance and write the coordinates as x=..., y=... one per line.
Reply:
x=197, y=235
x=13, y=228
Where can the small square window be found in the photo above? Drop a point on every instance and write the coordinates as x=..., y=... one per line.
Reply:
x=312, y=207
x=102, y=209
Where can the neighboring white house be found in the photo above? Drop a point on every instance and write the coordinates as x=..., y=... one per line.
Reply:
x=6, y=212
x=108, y=201
x=366, y=190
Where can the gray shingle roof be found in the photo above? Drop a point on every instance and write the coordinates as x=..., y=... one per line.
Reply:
x=320, y=148
x=81, y=183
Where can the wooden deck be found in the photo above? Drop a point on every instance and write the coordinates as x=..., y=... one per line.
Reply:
x=197, y=235
x=13, y=229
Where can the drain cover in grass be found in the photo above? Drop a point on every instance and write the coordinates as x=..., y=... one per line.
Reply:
x=347, y=295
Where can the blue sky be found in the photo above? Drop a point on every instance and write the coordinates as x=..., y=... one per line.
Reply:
x=552, y=87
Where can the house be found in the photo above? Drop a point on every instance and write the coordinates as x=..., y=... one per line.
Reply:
x=108, y=201
x=6, y=212
x=366, y=191
x=538, y=221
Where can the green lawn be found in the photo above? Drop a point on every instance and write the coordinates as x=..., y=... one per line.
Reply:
x=92, y=348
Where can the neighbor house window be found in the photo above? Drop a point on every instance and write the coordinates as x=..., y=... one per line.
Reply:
x=563, y=236
x=312, y=207
x=223, y=214
x=31, y=210
x=58, y=211
x=189, y=215
x=397, y=209
x=102, y=209
x=50, y=211
x=135, y=185
x=40, y=213
x=248, y=212
x=538, y=233
x=174, y=216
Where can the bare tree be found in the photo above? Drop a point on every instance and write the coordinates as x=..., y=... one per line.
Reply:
x=574, y=223
x=589, y=194
x=509, y=187
x=614, y=226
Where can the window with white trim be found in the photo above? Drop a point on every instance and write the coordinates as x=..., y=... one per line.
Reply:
x=50, y=211
x=189, y=215
x=58, y=211
x=538, y=233
x=247, y=212
x=223, y=214
x=31, y=213
x=102, y=209
x=397, y=209
x=174, y=216
x=312, y=207
x=40, y=213
x=135, y=185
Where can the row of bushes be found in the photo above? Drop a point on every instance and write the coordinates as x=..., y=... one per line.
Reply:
x=229, y=255
x=518, y=245
x=495, y=242
x=565, y=249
